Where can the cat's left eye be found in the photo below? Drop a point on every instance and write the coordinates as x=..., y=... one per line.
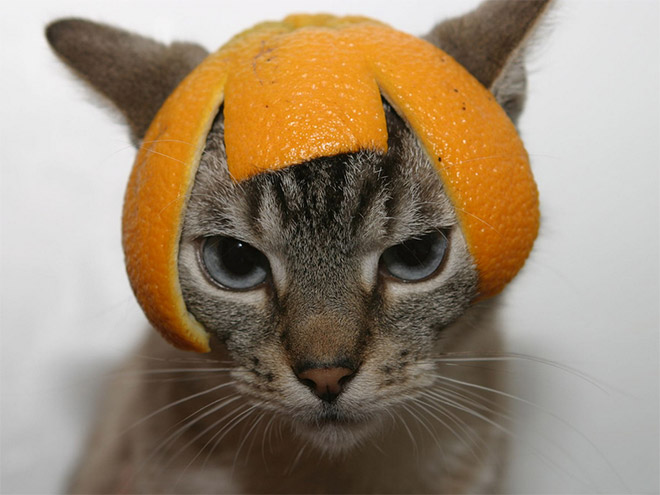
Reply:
x=234, y=264
x=415, y=259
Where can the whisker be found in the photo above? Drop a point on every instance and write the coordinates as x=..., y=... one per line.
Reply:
x=442, y=394
x=179, y=431
x=296, y=460
x=178, y=370
x=479, y=219
x=240, y=446
x=475, y=399
x=156, y=141
x=463, y=384
x=405, y=425
x=513, y=356
x=183, y=360
x=228, y=428
x=195, y=378
x=176, y=403
x=172, y=437
x=233, y=412
x=225, y=401
x=435, y=407
x=375, y=445
x=421, y=421
x=154, y=152
x=254, y=439
x=453, y=402
x=267, y=432
x=508, y=431
x=504, y=394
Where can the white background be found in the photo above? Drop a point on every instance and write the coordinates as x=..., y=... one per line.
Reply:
x=587, y=299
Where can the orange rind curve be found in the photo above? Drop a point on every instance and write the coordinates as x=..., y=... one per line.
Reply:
x=311, y=86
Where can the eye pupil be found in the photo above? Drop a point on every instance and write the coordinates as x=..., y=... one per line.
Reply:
x=238, y=257
x=234, y=264
x=415, y=259
x=413, y=252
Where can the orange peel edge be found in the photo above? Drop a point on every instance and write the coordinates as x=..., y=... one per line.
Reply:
x=165, y=167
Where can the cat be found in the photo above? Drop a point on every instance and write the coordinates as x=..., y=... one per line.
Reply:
x=383, y=395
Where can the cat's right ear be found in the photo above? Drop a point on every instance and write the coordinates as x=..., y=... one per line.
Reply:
x=490, y=42
x=135, y=73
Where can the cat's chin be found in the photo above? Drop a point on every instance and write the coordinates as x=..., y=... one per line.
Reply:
x=334, y=433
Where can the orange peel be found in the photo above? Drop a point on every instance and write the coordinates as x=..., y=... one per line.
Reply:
x=311, y=86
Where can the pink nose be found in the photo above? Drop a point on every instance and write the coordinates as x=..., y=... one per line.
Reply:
x=326, y=383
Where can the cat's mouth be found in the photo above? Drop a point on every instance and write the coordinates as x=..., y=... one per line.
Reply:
x=333, y=429
x=335, y=433
x=331, y=415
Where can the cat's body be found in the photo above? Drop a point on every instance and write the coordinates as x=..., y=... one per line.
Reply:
x=329, y=372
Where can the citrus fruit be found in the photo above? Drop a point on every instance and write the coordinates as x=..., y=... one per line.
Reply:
x=311, y=86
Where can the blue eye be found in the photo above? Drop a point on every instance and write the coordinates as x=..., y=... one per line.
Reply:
x=416, y=259
x=234, y=264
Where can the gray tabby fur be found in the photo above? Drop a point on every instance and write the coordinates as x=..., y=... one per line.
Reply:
x=238, y=420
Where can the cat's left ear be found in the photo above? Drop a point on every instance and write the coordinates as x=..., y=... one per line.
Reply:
x=490, y=42
x=135, y=73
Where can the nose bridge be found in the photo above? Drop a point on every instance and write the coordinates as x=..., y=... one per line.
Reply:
x=324, y=339
x=324, y=314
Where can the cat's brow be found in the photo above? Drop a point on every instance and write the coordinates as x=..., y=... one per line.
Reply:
x=362, y=200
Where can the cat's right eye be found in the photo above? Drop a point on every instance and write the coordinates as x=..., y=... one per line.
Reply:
x=234, y=264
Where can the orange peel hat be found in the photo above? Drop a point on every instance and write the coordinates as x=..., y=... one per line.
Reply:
x=311, y=86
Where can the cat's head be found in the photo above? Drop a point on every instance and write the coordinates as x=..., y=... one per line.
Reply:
x=332, y=282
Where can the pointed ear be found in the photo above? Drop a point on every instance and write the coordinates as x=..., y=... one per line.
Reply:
x=135, y=73
x=490, y=42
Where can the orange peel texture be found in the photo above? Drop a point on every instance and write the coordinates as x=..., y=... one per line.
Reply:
x=311, y=86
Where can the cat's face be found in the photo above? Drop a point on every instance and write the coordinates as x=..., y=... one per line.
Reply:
x=355, y=269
